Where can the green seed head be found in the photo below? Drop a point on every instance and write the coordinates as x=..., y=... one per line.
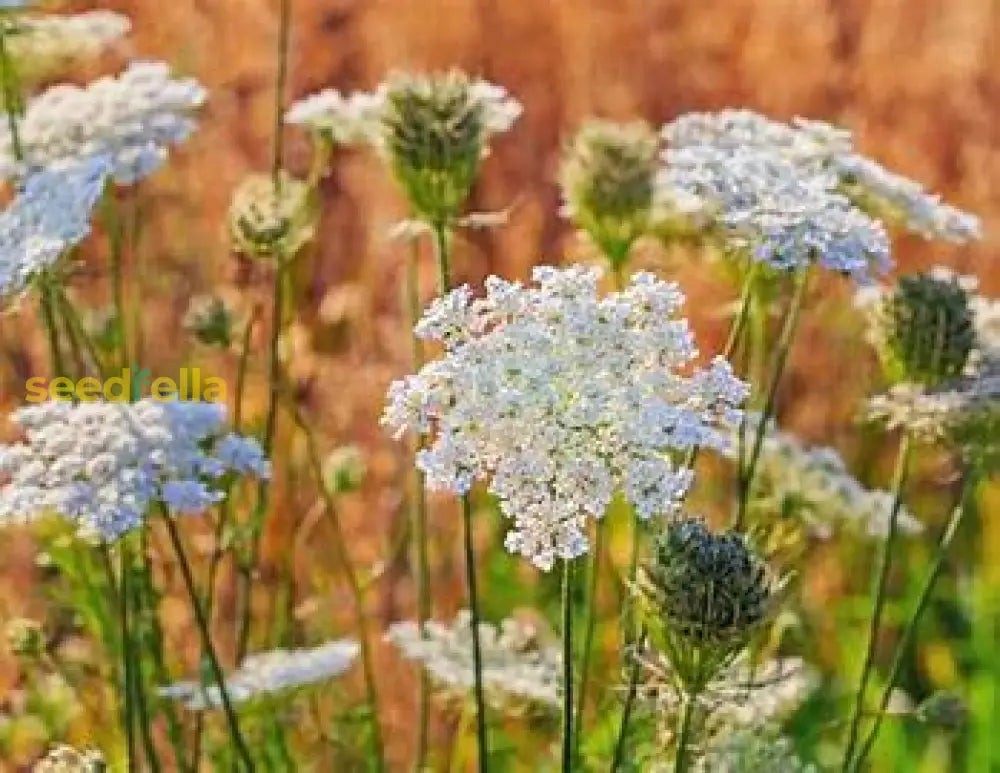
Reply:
x=210, y=320
x=928, y=329
x=943, y=709
x=266, y=222
x=345, y=470
x=25, y=637
x=707, y=589
x=435, y=131
x=607, y=181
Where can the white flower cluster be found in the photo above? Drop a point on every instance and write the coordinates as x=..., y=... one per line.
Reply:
x=797, y=193
x=561, y=398
x=132, y=118
x=103, y=464
x=815, y=485
x=268, y=673
x=66, y=759
x=43, y=46
x=925, y=415
x=751, y=750
x=516, y=666
x=358, y=118
x=49, y=215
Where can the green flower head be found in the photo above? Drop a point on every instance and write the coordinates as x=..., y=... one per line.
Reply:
x=271, y=221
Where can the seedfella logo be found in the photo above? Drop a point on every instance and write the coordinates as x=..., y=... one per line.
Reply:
x=133, y=384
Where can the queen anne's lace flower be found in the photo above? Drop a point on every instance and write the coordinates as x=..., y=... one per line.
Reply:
x=795, y=194
x=910, y=407
x=132, y=118
x=66, y=759
x=516, y=666
x=103, y=464
x=269, y=673
x=345, y=120
x=50, y=214
x=43, y=46
x=815, y=485
x=751, y=750
x=560, y=398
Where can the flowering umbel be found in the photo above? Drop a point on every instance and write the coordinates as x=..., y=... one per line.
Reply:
x=66, y=759
x=561, y=398
x=435, y=130
x=266, y=220
x=607, y=178
x=210, y=320
x=703, y=595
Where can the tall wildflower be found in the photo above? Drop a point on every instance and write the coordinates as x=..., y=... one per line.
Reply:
x=560, y=399
x=133, y=119
x=40, y=47
x=49, y=215
x=103, y=465
x=607, y=180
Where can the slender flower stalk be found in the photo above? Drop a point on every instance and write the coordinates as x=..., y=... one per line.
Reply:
x=629, y=706
x=419, y=511
x=913, y=624
x=127, y=671
x=567, y=639
x=786, y=337
x=354, y=585
x=589, y=631
x=206, y=641
x=684, y=734
x=879, y=588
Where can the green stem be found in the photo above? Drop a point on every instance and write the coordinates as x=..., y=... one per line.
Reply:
x=419, y=516
x=12, y=100
x=785, y=339
x=117, y=246
x=879, y=588
x=143, y=718
x=128, y=704
x=630, y=696
x=46, y=300
x=910, y=632
x=567, y=640
x=284, y=33
x=684, y=727
x=588, y=638
x=206, y=641
x=350, y=572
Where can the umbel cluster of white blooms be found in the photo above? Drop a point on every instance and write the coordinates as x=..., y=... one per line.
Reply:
x=358, y=118
x=102, y=465
x=517, y=667
x=795, y=194
x=561, y=398
x=132, y=119
x=269, y=673
x=43, y=46
x=815, y=485
x=50, y=215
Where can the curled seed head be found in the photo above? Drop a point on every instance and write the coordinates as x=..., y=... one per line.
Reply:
x=210, y=320
x=607, y=178
x=269, y=221
x=25, y=637
x=928, y=329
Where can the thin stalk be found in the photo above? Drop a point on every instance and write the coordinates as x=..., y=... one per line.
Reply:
x=588, y=637
x=567, y=640
x=630, y=696
x=206, y=640
x=143, y=718
x=48, y=309
x=879, y=588
x=419, y=515
x=113, y=223
x=784, y=344
x=681, y=760
x=442, y=251
x=12, y=99
x=350, y=572
x=910, y=632
x=284, y=33
x=128, y=704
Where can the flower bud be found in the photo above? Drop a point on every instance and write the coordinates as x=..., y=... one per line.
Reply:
x=705, y=590
x=435, y=137
x=607, y=180
x=943, y=709
x=66, y=759
x=210, y=320
x=25, y=637
x=928, y=329
x=344, y=470
x=265, y=221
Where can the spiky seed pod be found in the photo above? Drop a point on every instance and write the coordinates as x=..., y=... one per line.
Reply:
x=607, y=179
x=25, y=637
x=928, y=329
x=266, y=222
x=705, y=594
x=210, y=320
x=435, y=131
x=943, y=709
x=344, y=470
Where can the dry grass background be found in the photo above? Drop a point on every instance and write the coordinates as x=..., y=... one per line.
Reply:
x=917, y=80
